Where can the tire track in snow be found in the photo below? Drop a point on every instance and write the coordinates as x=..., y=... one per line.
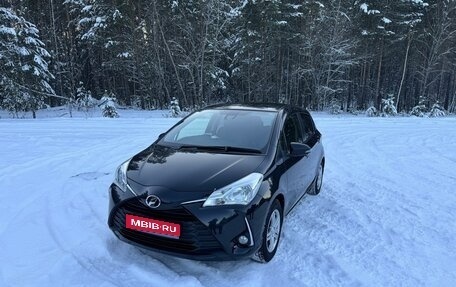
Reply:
x=388, y=214
x=82, y=205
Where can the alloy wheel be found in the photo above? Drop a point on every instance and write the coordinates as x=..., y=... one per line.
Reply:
x=272, y=235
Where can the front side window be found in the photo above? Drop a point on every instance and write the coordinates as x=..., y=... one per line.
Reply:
x=224, y=128
x=292, y=130
x=308, y=126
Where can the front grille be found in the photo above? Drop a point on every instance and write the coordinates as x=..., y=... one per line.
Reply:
x=195, y=238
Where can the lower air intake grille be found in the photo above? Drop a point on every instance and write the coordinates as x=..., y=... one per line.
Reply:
x=195, y=238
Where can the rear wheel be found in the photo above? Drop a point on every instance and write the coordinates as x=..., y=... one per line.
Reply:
x=271, y=234
x=318, y=182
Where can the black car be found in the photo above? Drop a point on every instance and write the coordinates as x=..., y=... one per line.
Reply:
x=216, y=185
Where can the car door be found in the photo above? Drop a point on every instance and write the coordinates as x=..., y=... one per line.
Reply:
x=311, y=137
x=297, y=167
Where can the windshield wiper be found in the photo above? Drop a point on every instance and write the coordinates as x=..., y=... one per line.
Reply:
x=220, y=148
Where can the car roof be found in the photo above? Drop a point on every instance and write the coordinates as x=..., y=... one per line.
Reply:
x=258, y=107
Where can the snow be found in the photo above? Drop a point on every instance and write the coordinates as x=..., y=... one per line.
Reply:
x=100, y=21
x=39, y=61
x=365, y=8
x=420, y=2
x=33, y=41
x=296, y=14
x=26, y=67
x=7, y=30
x=386, y=20
x=117, y=15
x=124, y=55
x=87, y=8
x=23, y=51
x=251, y=33
x=385, y=216
x=294, y=6
x=320, y=4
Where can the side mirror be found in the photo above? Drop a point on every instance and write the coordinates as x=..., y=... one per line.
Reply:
x=299, y=149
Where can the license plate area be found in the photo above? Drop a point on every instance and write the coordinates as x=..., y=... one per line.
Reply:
x=152, y=226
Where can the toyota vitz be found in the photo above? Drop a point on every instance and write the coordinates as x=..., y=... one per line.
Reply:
x=217, y=185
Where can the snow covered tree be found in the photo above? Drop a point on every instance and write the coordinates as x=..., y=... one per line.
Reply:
x=108, y=106
x=109, y=110
x=84, y=99
x=439, y=39
x=388, y=107
x=330, y=48
x=174, y=108
x=260, y=30
x=407, y=16
x=334, y=107
x=375, y=28
x=420, y=109
x=301, y=52
x=371, y=111
x=24, y=72
x=437, y=111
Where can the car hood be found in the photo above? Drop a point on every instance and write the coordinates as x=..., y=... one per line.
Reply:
x=188, y=171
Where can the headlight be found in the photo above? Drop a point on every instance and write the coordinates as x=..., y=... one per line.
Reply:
x=121, y=176
x=239, y=192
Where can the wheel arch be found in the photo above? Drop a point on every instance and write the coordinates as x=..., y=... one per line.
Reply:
x=281, y=198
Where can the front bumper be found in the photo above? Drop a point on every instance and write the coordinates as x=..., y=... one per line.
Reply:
x=207, y=233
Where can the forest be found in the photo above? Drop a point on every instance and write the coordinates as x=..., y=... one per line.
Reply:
x=323, y=55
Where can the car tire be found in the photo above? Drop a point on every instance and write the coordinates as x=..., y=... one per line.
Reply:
x=318, y=181
x=271, y=234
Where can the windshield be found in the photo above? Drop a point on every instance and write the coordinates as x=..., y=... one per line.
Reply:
x=224, y=129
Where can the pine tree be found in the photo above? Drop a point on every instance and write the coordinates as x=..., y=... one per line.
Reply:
x=375, y=28
x=260, y=28
x=388, y=107
x=84, y=99
x=335, y=107
x=437, y=110
x=110, y=111
x=371, y=111
x=25, y=75
x=420, y=109
x=174, y=108
x=407, y=17
x=108, y=106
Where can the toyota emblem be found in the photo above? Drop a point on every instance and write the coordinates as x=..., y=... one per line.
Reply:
x=153, y=201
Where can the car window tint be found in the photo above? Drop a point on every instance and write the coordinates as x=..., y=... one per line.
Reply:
x=292, y=130
x=245, y=129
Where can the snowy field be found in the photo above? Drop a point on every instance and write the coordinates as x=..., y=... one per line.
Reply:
x=386, y=215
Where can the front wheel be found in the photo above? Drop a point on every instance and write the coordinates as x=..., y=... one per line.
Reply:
x=271, y=234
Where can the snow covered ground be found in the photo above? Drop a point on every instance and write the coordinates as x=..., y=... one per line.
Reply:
x=386, y=215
